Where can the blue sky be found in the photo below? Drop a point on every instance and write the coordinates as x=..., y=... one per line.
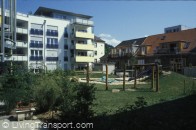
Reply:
x=116, y=21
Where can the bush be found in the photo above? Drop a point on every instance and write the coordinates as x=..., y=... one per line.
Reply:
x=77, y=103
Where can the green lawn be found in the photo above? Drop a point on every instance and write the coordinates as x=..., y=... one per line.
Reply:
x=171, y=87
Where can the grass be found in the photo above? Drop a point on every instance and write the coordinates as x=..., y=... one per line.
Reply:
x=171, y=87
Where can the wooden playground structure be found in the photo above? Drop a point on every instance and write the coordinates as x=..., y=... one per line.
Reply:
x=154, y=70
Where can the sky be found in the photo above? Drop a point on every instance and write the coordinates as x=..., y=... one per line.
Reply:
x=119, y=20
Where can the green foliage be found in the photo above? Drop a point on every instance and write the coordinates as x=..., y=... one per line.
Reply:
x=77, y=102
x=16, y=87
x=108, y=48
x=46, y=92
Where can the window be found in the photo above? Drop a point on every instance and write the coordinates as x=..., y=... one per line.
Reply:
x=65, y=67
x=186, y=45
x=65, y=53
x=95, y=44
x=95, y=53
x=40, y=53
x=72, y=42
x=36, y=52
x=32, y=52
x=65, y=42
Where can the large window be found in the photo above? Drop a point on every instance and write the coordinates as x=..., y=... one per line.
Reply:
x=52, y=43
x=36, y=55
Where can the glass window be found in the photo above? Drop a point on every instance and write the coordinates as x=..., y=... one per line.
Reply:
x=32, y=52
x=48, y=40
x=40, y=53
x=55, y=41
x=36, y=52
x=95, y=52
x=65, y=42
x=65, y=53
x=186, y=45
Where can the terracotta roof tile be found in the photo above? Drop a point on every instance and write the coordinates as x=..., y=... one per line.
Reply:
x=183, y=36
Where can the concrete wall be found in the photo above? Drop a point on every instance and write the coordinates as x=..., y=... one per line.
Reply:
x=100, y=51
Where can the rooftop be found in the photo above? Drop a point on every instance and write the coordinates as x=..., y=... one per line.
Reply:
x=49, y=11
x=127, y=43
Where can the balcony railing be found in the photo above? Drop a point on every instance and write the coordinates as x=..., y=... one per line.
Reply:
x=16, y=57
x=21, y=44
x=52, y=46
x=36, y=31
x=167, y=51
x=84, y=59
x=81, y=34
x=51, y=58
x=36, y=45
x=36, y=58
x=82, y=21
x=53, y=33
x=21, y=30
x=84, y=46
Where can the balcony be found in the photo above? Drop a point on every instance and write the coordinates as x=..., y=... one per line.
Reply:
x=52, y=46
x=51, y=58
x=167, y=51
x=21, y=30
x=36, y=31
x=84, y=59
x=87, y=35
x=53, y=33
x=16, y=58
x=36, y=45
x=36, y=58
x=84, y=46
x=21, y=44
x=82, y=21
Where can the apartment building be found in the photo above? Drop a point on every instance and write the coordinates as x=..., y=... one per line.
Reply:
x=173, y=50
x=124, y=51
x=50, y=39
x=19, y=54
x=99, y=50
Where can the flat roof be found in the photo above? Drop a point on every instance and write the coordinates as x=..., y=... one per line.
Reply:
x=41, y=10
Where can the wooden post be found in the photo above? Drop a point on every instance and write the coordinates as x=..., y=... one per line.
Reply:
x=152, y=77
x=87, y=74
x=157, y=78
x=135, y=77
x=124, y=70
x=184, y=87
x=106, y=79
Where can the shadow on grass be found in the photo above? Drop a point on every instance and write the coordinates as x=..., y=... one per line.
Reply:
x=173, y=115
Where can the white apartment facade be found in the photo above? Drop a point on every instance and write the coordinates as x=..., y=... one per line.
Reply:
x=99, y=49
x=52, y=39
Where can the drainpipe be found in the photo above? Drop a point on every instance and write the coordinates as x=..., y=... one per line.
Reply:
x=2, y=29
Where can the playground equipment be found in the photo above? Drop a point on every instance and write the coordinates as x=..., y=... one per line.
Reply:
x=152, y=70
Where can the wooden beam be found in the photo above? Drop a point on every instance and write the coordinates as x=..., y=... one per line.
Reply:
x=106, y=79
x=87, y=74
x=152, y=77
x=124, y=70
x=135, y=76
x=157, y=78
